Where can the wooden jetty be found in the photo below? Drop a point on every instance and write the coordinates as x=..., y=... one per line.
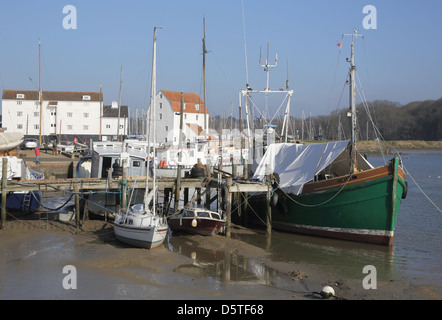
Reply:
x=227, y=187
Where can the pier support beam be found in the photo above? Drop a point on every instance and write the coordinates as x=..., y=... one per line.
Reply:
x=77, y=206
x=269, y=210
x=228, y=199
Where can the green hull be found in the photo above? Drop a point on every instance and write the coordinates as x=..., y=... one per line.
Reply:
x=366, y=211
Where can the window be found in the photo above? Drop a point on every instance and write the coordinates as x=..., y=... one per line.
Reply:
x=19, y=126
x=85, y=127
x=161, y=105
x=166, y=128
x=53, y=113
x=196, y=117
x=70, y=126
x=136, y=163
x=20, y=96
x=86, y=115
x=19, y=113
x=36, y=114
x=36, y=126
x=197, y=107
x=121, y=126
x=86, y=97
x=53, y=125
x=69, y=114
x=185, y=116
x=108, y=126
x=19, y=103
x=160, y=116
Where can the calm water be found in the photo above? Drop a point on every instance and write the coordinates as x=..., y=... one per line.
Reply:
x=416, y=253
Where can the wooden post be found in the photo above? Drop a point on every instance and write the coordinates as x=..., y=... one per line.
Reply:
x=4, y=184
x=269, y=209
x=246, y=196
x=229, y=207
x=180, y=156
x=208, y=190
x=186, y=196
x=77, y=205
x=124, y=181
x=86, y=208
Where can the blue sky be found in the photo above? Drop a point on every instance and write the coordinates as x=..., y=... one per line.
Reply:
x=399, y=61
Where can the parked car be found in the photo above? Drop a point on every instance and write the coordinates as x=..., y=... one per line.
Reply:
x=29, y=143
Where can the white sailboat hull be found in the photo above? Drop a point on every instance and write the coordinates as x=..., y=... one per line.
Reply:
x=139, y=229
x=148, y=237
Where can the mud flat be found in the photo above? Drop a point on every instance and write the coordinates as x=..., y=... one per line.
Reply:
x=34, y=252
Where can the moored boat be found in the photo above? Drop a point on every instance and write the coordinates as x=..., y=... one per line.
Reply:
x=21, y=202
x=330, y=190
x=140, y=227
x=361, y=206
x=197, y=221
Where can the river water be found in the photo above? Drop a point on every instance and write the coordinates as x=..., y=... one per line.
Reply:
x=416, y=252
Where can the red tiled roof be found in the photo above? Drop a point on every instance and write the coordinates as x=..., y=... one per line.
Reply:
x=190, y=100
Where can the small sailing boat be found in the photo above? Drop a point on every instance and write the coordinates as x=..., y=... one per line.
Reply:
x=196, y=221
x=142, y=226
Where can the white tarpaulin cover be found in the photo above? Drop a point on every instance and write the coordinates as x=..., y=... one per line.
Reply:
x=297, y=164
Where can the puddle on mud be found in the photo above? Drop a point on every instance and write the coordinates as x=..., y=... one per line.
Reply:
x=222, y=266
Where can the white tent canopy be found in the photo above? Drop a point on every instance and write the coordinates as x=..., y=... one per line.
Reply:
x=297, y=164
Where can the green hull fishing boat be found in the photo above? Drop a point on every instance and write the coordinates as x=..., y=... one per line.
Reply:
x=329, y=189
x=361, y=206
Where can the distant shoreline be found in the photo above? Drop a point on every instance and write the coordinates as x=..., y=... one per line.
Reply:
x=372, y=146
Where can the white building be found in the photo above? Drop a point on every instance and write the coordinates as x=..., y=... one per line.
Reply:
x=66, y=114
x=168, y=104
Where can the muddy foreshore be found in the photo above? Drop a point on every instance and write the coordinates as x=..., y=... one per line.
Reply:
x=177, y=270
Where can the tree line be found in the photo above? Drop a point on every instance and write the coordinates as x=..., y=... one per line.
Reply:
x=418, y=120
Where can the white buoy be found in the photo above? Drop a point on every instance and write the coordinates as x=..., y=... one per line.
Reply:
x=327, y=292
x=194, y=223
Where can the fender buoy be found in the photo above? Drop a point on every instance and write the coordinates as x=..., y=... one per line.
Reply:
x=274, y=200
x=225, y=206
x=404, y=193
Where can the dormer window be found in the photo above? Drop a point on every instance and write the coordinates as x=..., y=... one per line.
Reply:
x=197, y=107
x=86, y=97
x=19, y=96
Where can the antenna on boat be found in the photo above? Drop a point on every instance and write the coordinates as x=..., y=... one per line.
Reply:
x=267, y=66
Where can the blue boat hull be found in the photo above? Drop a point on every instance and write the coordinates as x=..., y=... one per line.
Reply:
x=23, y=202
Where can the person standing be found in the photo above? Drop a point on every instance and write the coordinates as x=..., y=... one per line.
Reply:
x=37, y=156
x=54, y=147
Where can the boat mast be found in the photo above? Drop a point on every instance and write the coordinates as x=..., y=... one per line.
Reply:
x=119, y=104
x=204, y=77
x=40, y=98
x=152, y=116
x=352, y=91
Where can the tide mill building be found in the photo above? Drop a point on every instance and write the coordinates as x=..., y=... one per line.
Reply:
x=64, y=114
x=195, y=117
